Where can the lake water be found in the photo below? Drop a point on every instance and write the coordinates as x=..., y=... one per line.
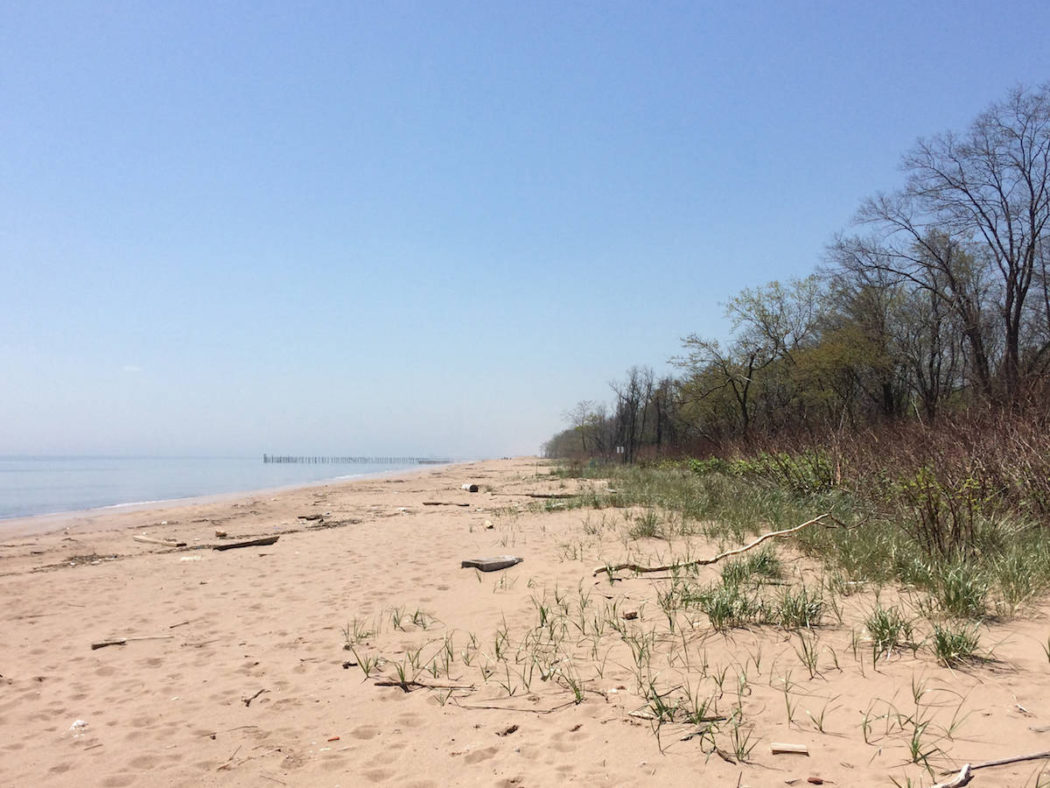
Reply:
x=45, y=485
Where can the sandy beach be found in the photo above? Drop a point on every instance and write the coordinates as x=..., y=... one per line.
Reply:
x=355, y=650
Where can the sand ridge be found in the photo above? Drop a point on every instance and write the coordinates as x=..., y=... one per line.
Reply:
x=249, y=683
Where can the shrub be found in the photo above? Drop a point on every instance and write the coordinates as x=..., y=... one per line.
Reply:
x=728, y=606
x=961, y=590
x=799, y=609
x=955, y=646
x=888, y=630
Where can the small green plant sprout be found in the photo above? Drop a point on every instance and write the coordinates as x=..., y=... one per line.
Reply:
x=919, y=749
x=348, y=642
x=355, y=632
x=414, y=658
x=698, y=708
x=819, y=719
x=367, y=663
x=866, y=723
x=789, y=704
x=658, y=704
x=420, y=619
x=574, y=684
x=719, y=678
x=808, y=653
x=741, y=737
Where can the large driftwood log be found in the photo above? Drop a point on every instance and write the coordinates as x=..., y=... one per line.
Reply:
x=705, y=561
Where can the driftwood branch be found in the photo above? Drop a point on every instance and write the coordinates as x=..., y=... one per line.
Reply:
x=250, y=543
x=705, y=561
x=410, y=684
x=1035, y=756
x=962, y=778
x=559, y=707
x=966, y=773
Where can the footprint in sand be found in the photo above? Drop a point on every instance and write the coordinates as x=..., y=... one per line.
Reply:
x=481, y=755
x=118, y=780
x=378, y=775
x=335, y=764
x=410, y=720
x=365, y=732
x=558, y=743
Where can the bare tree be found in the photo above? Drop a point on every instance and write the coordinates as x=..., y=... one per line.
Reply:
x=712, y=370
x=970, y=226
x=632, y=400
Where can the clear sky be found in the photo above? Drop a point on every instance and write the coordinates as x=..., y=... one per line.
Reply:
x=388, y=227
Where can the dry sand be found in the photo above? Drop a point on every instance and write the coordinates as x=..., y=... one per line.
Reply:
x=251, y=684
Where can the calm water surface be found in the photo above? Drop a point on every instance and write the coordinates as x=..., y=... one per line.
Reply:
x=45, y=485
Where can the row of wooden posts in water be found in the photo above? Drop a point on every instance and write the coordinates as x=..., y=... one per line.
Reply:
x=274, y=458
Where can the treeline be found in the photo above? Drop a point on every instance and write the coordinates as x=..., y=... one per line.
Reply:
x=933, y=308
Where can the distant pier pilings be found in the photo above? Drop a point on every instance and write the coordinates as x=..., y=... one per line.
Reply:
x=277, y=458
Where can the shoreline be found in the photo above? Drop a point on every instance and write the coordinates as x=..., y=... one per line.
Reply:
x=345, y=644
x=51, y=522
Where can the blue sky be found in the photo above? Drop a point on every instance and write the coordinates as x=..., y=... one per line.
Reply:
x=229, y=228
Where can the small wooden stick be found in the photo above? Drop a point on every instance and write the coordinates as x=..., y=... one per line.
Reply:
x=162, y=542
x=125, y=641
x=705, y=561
x=248, y=701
